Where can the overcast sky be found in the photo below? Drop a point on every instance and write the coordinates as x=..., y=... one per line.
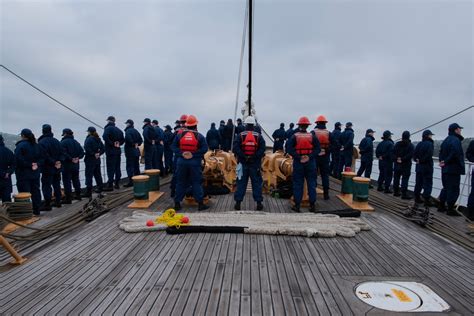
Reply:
x=380, y=64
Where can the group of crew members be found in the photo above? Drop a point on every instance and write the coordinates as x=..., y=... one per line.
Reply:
x=181, y=153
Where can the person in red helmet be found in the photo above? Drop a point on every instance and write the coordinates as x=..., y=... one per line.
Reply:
x=189, y=147
x=322, y=160
x=304, y=148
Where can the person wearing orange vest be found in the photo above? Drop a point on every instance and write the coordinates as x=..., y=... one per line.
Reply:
x=322, y=159
x=189, y=146
x=249, y=147
x=304, y=147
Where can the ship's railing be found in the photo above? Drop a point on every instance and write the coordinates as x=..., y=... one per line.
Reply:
x=437, y=184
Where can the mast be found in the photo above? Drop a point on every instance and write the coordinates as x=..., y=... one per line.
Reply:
x=250, y=56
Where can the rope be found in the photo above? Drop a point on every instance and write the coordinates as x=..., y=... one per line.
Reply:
x=172, y=219
x=49, y=96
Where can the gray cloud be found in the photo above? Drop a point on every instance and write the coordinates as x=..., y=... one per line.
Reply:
x=381, y=64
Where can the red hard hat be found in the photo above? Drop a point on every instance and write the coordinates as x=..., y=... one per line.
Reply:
x=304, y=121
x=183, y=118
x=191, y=121
x=322, y=119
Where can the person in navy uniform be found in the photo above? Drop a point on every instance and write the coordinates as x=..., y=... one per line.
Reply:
x=7, y=168
x=470, y=201
x=366, y=150
x=403, y=154
x=304, y=148
x=213, y=137
x=189, y=146
x=227, y=135
x=113, y=139
x=240, y=127
x=384, y=153
x=29, y=161
x=322, y=159
x=249, y=148
x=451, y=161
x=347, y=147
x=423, y=158
x=159, y=146
x=133, y=141
x=289, y=132
x=51, y=171
x=94, y=148
x=73, y=153
x=149, y=145
x=279, y=137
x=179, y=128
x=336, y=151
x=168, y=152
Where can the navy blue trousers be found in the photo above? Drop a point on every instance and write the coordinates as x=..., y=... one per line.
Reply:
x=132, y=166
x=188, y=172
x=6, y=190
x=93, y=171
x=402, y=173
x=385, y=174
x=345, y=160
x=114, y=174
x=159, y=158
x=51, y=178
x=168, y=161
x=334, y=165
x=251, y=171
x=151, y=158
x=300, y=173
x=470, y=201
x=424, y=181
x=322, y=164
x=32, y=186
x=365, y=168
x=450, y=192
x=71, y=175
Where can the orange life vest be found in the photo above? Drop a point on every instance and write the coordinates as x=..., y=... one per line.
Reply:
x=323, y=137
x=304, y=143
x=188, y=142
x=249, y=142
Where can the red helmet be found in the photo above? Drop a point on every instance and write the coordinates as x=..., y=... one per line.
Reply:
x=183, y=118
x=321, y=119
x=191, y=121
x=304, y=121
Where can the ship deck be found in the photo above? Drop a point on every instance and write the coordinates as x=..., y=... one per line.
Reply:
x=99, y=269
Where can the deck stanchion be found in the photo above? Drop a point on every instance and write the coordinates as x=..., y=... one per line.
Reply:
x=360, y=200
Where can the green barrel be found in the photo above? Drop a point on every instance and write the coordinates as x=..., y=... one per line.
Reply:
x=140, y=187
x=22, y=197
x=154, y=183
x=347, y=183
x=361, y=189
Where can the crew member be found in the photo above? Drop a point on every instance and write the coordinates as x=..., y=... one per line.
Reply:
x=347, y=147
x=384, y=153
x=73, y=153
x=240, y=127
x=189, y=147
x=279, y=137
x=94, y=148
x=451, y=161
x=335, y=151
x=178, y=130
x=213, y=137
x=133, y=140
x=7, y=168
x=322, y=159
x=423, y=157
x=470, y=201
x=304, y=147
x=168, y=152
x=159, y=146
x=366, y=150
x=289, y=132
x=149, y=140
x=249, y=147
x=113, y=139
x=403, y=154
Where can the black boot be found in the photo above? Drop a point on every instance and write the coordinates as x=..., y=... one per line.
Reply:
x=388, y=191
x=312, y=208
x=396, y=192
x=406, y=196
x=109, y=187
x=46, y=206
x=117, y=185
x=380, y=189
x=259, y=206
x=418, y=199
x=326, y=194
x=68, y=199
x=452, y=211
x=296, y=208
x=77, y=196
x=87, y=194
x=57, y=204
x=441, y=207
x=177, y=206
x=237, y=206
x=202, y=206
x=129, y=184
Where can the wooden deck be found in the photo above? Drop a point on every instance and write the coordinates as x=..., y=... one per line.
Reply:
x=98, y=269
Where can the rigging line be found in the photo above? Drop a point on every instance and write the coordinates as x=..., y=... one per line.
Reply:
x=441, y=121
x=242, y=53
x=49, y=96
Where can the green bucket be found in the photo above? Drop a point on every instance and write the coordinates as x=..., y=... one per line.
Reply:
x=347, y=183
x=361, y=189
x=140, y=187
x=154, y=183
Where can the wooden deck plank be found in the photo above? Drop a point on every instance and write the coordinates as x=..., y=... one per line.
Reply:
x=226, y=287
x=265, y=290
x=234, y=306
x=278, y=305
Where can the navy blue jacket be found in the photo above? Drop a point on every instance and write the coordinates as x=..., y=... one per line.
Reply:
x=280, y=134
x=336, y=140
x=259, y=154
x=149, y=135
x=111, y=135
x=213, y=138
x=239, y=128
x=132, y=138
x=292, y=150
x=72, y=149
x=51, y=150
x=470, y=151
x=347, y=139
x=452, y=154
x=289, y=132
x=92, y=146
x=366, y=149
x=403, y=149
x=423, y=155
x=27, y=153
x=198, y=155
x=7, y=162
x=168, y=137
x=384, y=150
x=159, y=135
